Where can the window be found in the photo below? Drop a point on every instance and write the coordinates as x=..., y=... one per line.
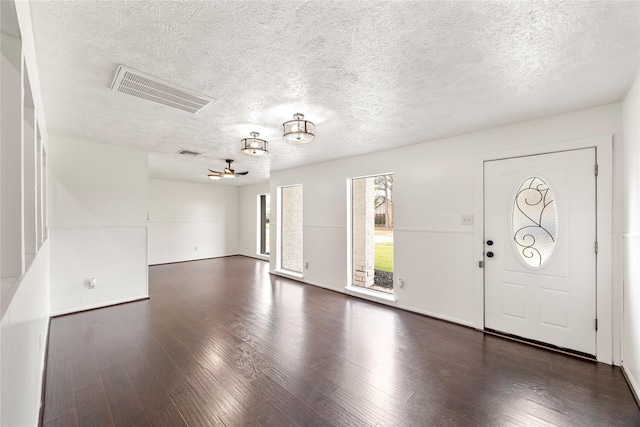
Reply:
x=11, y=174
x=22, y=169
x=372, y=233
x=291, y=228
x=29, y=172
x=264, y=210
x=534, y=221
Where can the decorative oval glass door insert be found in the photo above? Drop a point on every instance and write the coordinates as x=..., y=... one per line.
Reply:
x=534, y=222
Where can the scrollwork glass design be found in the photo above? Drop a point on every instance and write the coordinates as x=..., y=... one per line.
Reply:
x=534, y=222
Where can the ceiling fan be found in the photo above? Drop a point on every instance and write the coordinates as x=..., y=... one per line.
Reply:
x=227, y=173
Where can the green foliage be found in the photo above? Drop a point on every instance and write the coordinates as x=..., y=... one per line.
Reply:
x=383, y=257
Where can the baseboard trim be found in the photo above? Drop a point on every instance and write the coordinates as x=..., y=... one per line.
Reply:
x=98, y=306
x=43, y=388
x=191, y=260
x=635, y=390
x=265, y=258
x=386, y=303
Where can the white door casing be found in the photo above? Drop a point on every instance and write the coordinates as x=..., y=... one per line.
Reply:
x=553, y=300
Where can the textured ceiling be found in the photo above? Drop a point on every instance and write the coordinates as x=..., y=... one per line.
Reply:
x=371, y=75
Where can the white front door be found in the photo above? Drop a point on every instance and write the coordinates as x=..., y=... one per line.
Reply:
x=540, y=248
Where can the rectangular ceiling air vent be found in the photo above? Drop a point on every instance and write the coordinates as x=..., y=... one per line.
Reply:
x=144, y=86
x=189, y=153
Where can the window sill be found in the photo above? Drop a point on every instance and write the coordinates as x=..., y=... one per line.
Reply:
x=371, y=294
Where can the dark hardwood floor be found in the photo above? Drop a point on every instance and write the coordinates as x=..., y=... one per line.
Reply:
x=220, y=342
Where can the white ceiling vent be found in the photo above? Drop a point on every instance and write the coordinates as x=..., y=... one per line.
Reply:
x=138, y=84
x=189, y=153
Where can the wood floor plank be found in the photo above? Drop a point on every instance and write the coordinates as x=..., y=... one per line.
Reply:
x=59, y=394
x=86, y=371
x=300, y=411
x=124, y=403
x=195, y=409
x=70, y=419
x=169, y=417
x=149, y=388
x=93, y=407
x=220, y=342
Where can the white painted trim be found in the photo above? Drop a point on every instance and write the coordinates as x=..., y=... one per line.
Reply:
x=288, y=274
x=439, y=316
x=633, y=385
x=369, y=294
x=119, y=227
x=258, y=239
x=606, y=306
x=146, y=260
x=190, y=221
x=349, y=234
x=432, y=231
x=390, y=303
x=23, y=13
x=102, y=305
x=256, y=256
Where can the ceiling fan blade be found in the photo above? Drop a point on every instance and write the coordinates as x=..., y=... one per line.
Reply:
x=242, y=173
x=212, y=171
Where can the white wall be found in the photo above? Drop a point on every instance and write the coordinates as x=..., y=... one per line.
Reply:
x=631, y=242
x=24, y=334
x=98, y=199
x=189, y=221
x=25, y=309
x=248, y=233
x=434, y=184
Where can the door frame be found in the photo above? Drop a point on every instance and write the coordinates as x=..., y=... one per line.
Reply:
x=608, y=308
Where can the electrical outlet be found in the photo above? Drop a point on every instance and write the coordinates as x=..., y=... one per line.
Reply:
x=401, y=283
x=306, y=265
x=467, y=219
x=91, y=283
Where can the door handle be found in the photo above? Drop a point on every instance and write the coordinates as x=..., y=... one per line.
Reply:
x=490, y=254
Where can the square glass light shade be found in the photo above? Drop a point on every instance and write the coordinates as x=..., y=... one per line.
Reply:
x=299, y=131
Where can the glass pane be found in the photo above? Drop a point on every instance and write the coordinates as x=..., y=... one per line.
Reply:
x=372, y=232
x=534, y=222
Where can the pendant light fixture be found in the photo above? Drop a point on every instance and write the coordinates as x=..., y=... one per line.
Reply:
x=254, y=146
x=298, y=130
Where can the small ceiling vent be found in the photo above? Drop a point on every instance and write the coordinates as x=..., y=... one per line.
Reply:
x=189, y=153
x=138, y=84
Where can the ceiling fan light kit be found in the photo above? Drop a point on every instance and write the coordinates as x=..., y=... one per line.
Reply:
x=296, y=131
x=254, y=146
x=299, y=130
x=226, y=173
